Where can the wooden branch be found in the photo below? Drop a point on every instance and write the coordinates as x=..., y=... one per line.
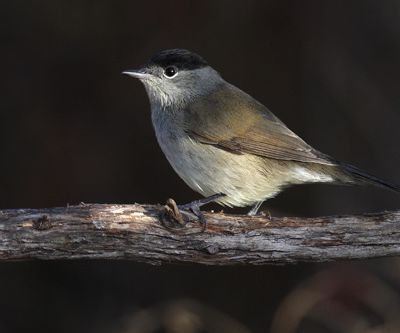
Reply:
x=134, y=232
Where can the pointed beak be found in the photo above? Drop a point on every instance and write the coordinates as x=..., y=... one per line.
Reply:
x=137, y=73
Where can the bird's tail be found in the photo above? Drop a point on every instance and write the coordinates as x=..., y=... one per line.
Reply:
x=357, y=176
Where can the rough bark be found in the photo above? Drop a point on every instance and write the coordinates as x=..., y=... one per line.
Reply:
x=134, y=232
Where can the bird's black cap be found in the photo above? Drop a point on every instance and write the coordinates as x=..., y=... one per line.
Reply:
x=181, y=58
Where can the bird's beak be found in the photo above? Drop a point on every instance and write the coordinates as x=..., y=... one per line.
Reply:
x=137, y=73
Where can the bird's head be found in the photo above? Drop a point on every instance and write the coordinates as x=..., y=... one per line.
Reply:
x=174, y=77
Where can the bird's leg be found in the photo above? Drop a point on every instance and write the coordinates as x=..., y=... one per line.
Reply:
x=196, y=204
x=175, y=211
x=254, y=210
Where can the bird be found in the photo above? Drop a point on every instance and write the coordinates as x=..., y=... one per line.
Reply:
x=225, y=144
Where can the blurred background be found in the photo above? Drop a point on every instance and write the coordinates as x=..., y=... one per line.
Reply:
x=73, y=129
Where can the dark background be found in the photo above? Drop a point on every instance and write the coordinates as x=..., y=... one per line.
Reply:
x=73, y=129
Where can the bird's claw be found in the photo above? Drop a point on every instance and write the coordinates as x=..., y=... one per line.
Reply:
x=179, y=215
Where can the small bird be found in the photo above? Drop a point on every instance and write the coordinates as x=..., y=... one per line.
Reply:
x=226, y=145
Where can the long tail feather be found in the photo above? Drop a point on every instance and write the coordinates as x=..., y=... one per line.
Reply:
x=362, y=177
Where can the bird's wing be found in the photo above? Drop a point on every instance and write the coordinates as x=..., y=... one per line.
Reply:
x=232, y=120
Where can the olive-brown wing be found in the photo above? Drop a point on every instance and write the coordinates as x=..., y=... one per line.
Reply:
x=232, y=120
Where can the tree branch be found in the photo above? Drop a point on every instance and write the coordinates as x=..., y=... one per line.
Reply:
x=134, y=232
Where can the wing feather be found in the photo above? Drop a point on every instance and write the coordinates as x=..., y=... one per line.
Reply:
x=232, y=120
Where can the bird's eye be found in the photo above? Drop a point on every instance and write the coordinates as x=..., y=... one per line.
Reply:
x=170, y=71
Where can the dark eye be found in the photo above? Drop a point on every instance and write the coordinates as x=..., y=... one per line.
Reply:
x=170, y=71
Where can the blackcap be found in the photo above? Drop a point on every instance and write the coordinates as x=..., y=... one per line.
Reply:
x=222, y=141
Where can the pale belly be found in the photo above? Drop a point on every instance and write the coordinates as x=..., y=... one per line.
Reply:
x=210, y=170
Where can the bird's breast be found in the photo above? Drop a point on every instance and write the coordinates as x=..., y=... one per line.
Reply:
x=209, y=170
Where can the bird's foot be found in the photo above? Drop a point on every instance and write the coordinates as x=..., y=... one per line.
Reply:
x=254, y=211
x=180, y=215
